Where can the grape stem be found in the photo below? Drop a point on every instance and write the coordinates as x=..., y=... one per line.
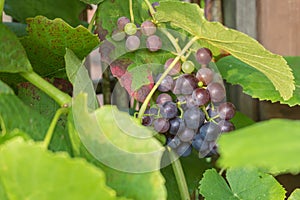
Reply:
x=91, y=24
x=131, y=11
x=179, y=175
x=1, y=8
x=146, y=102
x=173, y=40
x=52, y=126
x=60, y=97
x=151, y=9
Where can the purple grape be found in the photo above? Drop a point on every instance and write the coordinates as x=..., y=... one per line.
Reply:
x=182, y=101
x=197, y=142
x=166, y=84
x=201, y=96
x=148, y=119
x=176, y=126
x=132, y=43
x=162, y=98
x=153, y=43
x=168, y=110
x=226, y=110
x=184, y=149
x=148, y=28
x=213, y=113
x=118, y=35
x=186, y=135
x=205, y=75
x=185, y=84
x=210, y=131
x=190, y=101
x=173, y=142
x=217, y=92
x=122, y=21
x=176, y=69
x=226, y=126
x=161, y=125
x=193, y=118
x=203, y=56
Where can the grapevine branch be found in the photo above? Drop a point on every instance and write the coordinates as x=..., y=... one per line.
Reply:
x=131, y=11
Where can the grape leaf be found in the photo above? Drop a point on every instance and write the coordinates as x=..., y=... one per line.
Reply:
x=191, y=18
x=13, y=58
x=26, y=175
x=235, y=71
x=68, y=10
x=193, y=169
x=295, y=195
x=244, y=184
x=92, y=1
x=79, y=77
x=240, y=120
x=271, y=145
x=47, y=40
x=16, y=115
x=123, y=149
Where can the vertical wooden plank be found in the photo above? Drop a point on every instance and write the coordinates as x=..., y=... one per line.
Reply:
x=241, y=15
x=279, y=31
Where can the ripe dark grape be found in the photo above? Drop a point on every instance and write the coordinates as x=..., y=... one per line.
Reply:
x=188, y=67
x=130, y=28
x=226, y=126
x=166, y=84
x=210, y=131
x=161, y=125
x=186, y=135
x=193, y=117
x=203, y=56
x=190, y=101
x=173, y=142
x=162, y=98
x=217, y=92
x=201, y=96
x=205, y=75
x=122, y=21
x=184, y=149
x=148, y=28
x=185, y=84
x=168, y=110
x=176, y=126
x=197, y=142
x=153, y=43
x=132, y=43
x=118, y=35
x=226, y=110
x=176, y=69
x=182, y=101
x=148, y=118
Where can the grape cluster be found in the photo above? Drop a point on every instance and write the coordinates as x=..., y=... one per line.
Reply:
x=132, y=34
x=190, y=107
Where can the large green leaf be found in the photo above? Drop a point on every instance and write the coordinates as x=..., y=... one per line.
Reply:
x=191, y=18
x=244, y=184
x=16, y=115
x=123, y=149
x=47, y=41
x=68, y=10
x=28, y=171
x=295, y=195
x=13, y=57
x=235, y=71
x=271, y=145
x=79, y=77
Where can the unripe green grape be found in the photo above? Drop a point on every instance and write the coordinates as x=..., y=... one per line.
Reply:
x=188, y=67
x=130, y=28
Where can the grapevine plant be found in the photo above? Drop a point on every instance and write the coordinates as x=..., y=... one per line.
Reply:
x=173, y=134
